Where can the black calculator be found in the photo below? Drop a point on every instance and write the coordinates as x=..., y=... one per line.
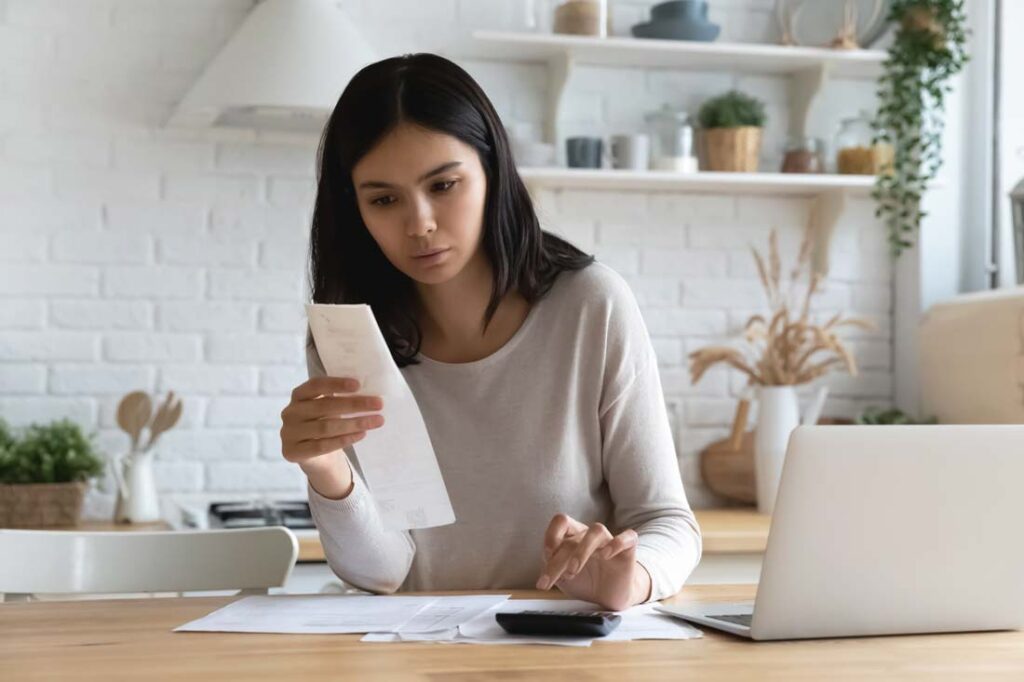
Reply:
x=559, y=623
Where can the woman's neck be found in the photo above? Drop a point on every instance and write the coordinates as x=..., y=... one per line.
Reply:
x=451, y=315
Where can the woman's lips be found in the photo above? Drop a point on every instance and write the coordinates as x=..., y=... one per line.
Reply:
x=432, y=256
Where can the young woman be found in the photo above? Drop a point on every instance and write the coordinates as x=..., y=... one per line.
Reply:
x=530, y=363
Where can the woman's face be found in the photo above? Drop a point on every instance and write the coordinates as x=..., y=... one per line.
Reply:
x=421, y=195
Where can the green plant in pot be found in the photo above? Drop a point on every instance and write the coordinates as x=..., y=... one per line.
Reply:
x=44, y=472
x=928, y=50
x=731, y=131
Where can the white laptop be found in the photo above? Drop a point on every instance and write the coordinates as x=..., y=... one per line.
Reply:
x=884, y=530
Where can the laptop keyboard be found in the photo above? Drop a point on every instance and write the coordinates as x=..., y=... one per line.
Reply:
x=739, y=619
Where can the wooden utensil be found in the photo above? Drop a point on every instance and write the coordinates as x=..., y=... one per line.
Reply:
x=167, y=415
x=133, y=413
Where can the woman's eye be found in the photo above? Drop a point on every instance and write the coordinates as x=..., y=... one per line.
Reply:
x=383, y=201
x=444, y=185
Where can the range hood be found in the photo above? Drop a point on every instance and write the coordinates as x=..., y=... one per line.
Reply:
x=283, y=69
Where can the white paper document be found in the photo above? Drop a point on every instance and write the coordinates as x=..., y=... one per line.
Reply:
x=341, y=614
x=397, y=460
x=638, y=622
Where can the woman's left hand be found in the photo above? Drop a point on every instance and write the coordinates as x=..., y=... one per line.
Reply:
x=589, y=563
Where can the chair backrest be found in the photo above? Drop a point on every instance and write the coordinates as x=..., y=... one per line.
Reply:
x=40, y=561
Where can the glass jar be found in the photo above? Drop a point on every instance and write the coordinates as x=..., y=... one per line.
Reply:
x=582, y=17
x=856, y=152
x=672, y=140
x=804, y=155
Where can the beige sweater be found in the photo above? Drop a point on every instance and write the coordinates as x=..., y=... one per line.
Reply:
x=568, y=416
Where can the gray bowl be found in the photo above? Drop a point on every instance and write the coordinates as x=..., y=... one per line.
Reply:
x=677, y=30
x=693, y=10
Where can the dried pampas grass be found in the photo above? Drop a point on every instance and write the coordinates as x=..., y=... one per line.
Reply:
x=786, y=347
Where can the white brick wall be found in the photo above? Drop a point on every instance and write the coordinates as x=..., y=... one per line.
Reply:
x=136, y=257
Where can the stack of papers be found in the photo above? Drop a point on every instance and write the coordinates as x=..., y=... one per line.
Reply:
x=462, y=620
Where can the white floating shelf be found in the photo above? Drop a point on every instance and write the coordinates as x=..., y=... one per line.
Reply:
x=791, y=184
x=676, y=54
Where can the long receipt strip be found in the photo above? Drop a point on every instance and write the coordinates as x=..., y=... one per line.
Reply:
x=397, y=460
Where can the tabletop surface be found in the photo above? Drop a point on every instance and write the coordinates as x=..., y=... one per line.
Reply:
x=107, y=639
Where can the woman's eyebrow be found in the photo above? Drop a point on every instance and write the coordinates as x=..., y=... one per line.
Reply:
x=440, y=169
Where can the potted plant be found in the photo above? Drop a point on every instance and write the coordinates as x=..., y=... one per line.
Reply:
x=779, y=352
x=928, y=50
x=44, y=474
x=731, y=127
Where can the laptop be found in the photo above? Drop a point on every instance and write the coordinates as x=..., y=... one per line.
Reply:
x=886, y=530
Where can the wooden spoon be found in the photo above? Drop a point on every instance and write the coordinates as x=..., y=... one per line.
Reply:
x=133, y=413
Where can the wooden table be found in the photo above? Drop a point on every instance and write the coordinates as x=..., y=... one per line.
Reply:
x=106, y=640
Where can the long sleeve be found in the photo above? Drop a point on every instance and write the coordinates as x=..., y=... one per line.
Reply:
x=639, y=456
x=358, y=548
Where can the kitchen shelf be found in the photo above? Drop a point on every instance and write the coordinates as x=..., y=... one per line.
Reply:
x=677, y=54
x=790, y=184
x=808, y=69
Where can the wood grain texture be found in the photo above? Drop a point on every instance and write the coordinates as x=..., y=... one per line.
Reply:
x=132, y=639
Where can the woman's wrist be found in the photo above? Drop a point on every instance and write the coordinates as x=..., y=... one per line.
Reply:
x=330, y=475
x=642, y=585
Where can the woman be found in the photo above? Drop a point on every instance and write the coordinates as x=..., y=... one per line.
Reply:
x=530, y=363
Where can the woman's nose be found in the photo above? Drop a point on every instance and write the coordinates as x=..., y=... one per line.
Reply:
x=421, y=219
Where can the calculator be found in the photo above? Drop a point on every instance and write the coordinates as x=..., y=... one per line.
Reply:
x=559, y=623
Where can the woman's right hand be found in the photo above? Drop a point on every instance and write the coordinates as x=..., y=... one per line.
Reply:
x=316, y=424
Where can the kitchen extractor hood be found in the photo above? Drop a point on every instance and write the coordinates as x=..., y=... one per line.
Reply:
x=283, y=69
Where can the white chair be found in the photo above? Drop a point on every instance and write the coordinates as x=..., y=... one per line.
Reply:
x=72, y=562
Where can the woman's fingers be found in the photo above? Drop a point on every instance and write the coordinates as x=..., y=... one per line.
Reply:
x=320, y=408
x=318, y=386
x=597, y=537
x=560, y=526
x=572, y=554
x=626, y=540
x=329, y=428
x=307, y=449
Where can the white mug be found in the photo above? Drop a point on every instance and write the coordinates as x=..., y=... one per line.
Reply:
x=630, y=152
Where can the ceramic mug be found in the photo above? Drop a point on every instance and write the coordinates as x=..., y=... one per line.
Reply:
x=630, y=152
x=584, y=152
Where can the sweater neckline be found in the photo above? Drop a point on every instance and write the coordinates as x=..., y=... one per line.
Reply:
x=497, y=355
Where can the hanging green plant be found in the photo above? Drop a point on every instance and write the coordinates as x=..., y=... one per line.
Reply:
x=929, y=49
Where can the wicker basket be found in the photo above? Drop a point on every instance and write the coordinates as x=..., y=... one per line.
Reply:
x=733, y=150
x=34, y=505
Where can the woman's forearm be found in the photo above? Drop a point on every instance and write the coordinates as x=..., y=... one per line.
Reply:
x=330, y=475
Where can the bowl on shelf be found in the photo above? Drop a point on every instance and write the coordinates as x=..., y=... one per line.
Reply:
x=676, y=30
x=678, y=20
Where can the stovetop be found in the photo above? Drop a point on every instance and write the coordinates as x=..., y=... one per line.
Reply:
x=251, y=514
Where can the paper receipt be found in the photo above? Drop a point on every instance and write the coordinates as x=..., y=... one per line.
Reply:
x=397, y=459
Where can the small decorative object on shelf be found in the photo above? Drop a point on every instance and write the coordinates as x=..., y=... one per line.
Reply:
x=857, y=150
x=881, y=415
x=44, y=474
x=630, y=151
x=804, y=155
x=678, y=20
x=137, y=500
x=584, y=152
x=673, y=140
x=839, y=24
x=582, y=17
x=928, y=50
x=782, y=351
x=731, y=126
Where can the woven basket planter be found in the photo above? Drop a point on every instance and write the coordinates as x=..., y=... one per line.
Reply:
x=734, y=150
x=34, y=505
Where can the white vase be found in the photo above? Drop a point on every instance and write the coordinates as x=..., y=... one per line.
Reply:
x=143, y=503
x=778, y=414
